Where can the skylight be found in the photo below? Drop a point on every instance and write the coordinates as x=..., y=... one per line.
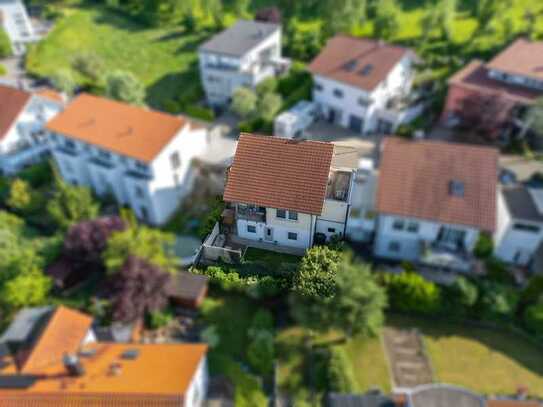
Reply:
x=366, y=70
x=456, y=188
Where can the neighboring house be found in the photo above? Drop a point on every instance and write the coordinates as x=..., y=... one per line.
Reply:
x=242, y=55
x=514, y=78
x=22, y=119
x=17, y=25
x=370, y=399
x=284, y=193
x=364, y=84
x=141, y=157
x=49, y=356
x=520, y=224
x=433, y=200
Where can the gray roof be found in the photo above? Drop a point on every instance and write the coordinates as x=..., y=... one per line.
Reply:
x=444, y=396
x=25, y=324
x=359, y=400
x=240, y=38
x=521, y=204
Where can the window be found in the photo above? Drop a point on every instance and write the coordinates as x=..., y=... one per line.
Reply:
x=292, y=215
x=398, y=224
x=394, y=247
x=251, y=228
x=526, y=228
x=139, y=192
x=104, y=154
x=292, y=236
x=413, y=227
x=331, y=230
x=70, y=144
x=142, y=167
x=364, y=102
x=281, y=213
x=456, y=188
x=175, y=160
x=318, y=87
x=338, y=93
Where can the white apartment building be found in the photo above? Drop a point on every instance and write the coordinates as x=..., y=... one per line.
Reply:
x=22, y=119
x=242, y=55
x=286, y=193
x=17, y=25
x=141, y=157
x=365, y=85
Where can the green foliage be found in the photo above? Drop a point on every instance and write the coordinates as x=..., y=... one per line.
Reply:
x=3, y=70
x=498, y=271
x=410, y=292
x=210, y=335
x=89, y=65
x=38, y=175
x=341, y=378
x=533, y=292
x=63, y=81
x=214, y=215
x=268, y=105
x=200, y=112
x=244, y=102
x=125, y=87
x=498, y=302
x=386, y=24
x=533, y=318
x=268, y=85
x=28, y=288
x=484, y=246
x=261, y=352
x=5, y=44
x=465, y=292
x=20, y=195
x=71, y=204
x=315, y=277
x=159, y=319
x=535, y=116
x=304, y=39
x=149, y=244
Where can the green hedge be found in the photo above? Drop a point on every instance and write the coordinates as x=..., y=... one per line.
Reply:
x=200, y=112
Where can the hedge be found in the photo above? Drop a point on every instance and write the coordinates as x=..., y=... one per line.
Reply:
x=200, y=112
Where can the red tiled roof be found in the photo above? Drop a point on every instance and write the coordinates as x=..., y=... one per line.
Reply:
x=522, y=57
x=23, y=399
x=512, y=403
x=117, y=127
x=63, y=333
x=415, y=180
x=12, y=103
x=475, y=76
x=358, y=53
x=279, y=173
x=50, y=94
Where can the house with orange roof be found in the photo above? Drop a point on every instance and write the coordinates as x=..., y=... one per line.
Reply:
x=142, y=158
x=22, y=119
x=49, y=356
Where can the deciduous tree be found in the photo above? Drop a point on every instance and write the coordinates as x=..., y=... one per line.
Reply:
x=125, y=87
x=244, y=102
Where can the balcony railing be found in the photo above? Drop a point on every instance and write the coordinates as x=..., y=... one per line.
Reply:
x=434, y=254
x=251, y=214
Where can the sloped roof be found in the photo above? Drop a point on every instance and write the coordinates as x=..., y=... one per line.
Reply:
x=522, y=57
x=50, y=94
x=280, y=173
x=12, y=103
x=415, y=181
x=361, y=62
x=118, y=127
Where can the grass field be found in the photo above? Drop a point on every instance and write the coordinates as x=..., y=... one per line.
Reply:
x=483, y=360
x=164, y=59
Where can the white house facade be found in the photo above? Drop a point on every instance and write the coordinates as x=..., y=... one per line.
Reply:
x=17, y=25
x=22, y=119
x=242, y=55
x=364, y=85
x=144, y=160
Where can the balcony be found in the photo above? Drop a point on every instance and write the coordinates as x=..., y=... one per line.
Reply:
x=251, y=213
x=138, y=174
x=64, y=149
x=102, y=162
x=435, y=254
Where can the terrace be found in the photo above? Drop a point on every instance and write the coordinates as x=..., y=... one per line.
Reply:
x=338, y=187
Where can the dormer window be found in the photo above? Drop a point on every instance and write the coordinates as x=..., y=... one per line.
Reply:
x=456, y=188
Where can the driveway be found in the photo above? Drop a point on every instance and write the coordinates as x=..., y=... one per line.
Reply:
x=521, y=166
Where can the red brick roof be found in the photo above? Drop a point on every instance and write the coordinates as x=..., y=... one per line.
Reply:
x=522, y=57
x=279, y=173
x=415, y=179
x=344, y=59
x=12, y=103
x=23, y=399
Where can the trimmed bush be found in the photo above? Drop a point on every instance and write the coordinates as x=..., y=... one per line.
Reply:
x=498, y=302
x=410, y=292
x=199, y=112
x=341, y=377
x=484, y=246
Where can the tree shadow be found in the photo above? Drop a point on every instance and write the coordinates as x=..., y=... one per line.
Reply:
x=177, y=86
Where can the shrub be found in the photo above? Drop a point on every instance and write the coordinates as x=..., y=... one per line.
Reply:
x=498, y=302
x=64, y=81
x=267, y=86
x=262, y=320
x=228, y=280
x=210, y=335
x=261, y=351
x=244, y=101
x=410, y=292
x=498, y=272
x=200, y=112
x=315, y=276
x=3, y=70
x=125, y=87
x=20, y=195
x=158, y=319
x=214, y=215
x=534, y=291
x=484, y=246
x=5, y=44
x=38, y=175
x=341, y=377
x=268, y=105
x=533, y=318
x=171, y=106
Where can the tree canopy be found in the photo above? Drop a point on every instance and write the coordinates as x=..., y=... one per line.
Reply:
x=125, y=87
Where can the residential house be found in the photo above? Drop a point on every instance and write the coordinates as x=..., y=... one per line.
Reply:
x=140, y=157
x=49, y=356
x=373, y=398
x=433, y=200
x=520, y=224
x=22, y=119
x=514, y=79
x=285, y=194
x=364, y=84
x=242, y=55
x=17, y=25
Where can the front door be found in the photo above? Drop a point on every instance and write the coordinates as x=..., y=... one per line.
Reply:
x=356, y=123
x=331, y=115
x=268, y=233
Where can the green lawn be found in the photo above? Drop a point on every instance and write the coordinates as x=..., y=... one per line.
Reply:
x=272, y=259
x=164, y=59
x=483, y=360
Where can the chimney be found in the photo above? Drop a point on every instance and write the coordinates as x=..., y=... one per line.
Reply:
x=73, y=365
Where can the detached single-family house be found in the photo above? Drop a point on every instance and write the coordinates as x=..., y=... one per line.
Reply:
x=433, y=201
x=242, y=55
x=15, y=22
x=142, y=158
x=520, y=224
x=285, y=194
x=22, y=119
x=365, y=84
x=50, y=356
x=514, y=79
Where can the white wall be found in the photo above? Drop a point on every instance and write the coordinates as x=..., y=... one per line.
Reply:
x=332, y=219
x=16, y=24
x=197, y=391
